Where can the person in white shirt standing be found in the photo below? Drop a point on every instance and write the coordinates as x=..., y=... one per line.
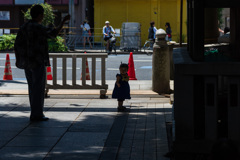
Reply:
x=86, y=33
x=107, y=33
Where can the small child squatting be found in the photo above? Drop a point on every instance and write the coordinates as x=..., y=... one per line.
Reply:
x=121, y=90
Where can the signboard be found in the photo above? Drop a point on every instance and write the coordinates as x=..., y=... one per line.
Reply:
x=28, y=2
x=4, y=15
x=54, y=1
x=1, y=32
x=6, y=1
x=64, y=2
x=67, y=1
x=6, y=31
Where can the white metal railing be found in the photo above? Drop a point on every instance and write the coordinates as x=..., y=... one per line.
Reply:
x=74, y=85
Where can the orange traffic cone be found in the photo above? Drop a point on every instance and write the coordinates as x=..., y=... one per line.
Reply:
x=7, y=71
x=131, y=69
x=87, y=71
x=49, y=73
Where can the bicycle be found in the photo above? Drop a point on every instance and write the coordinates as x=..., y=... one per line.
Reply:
x=112, y=44
x=148, y=45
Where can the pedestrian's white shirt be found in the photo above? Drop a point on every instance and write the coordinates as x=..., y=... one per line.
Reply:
x=107, y=30
x=85, y=27
x=154, y=30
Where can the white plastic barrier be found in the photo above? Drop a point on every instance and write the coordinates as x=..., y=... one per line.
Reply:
x=74, y=85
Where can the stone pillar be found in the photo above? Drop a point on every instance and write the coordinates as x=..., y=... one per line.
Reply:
x=211, y=32
x=161, y=64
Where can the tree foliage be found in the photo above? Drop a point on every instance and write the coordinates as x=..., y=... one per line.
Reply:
x=54, y=45
x=220, y=20
x=48, y=14
x=7, y=42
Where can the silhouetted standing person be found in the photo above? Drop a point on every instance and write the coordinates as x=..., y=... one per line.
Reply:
x=34, y=36
x=121, y=90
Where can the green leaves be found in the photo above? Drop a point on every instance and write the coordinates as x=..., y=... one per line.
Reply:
x=55, y=45
x=220, y=20
x=48, y=14
x=7, y=42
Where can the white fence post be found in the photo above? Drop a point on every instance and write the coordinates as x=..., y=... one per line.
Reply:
x=74, y=56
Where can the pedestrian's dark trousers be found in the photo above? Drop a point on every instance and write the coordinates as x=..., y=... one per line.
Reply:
x=36, y=79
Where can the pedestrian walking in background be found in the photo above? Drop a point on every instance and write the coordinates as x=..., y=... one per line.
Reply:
x=121, y=90
x=168, y=31
x=107, y=33
x=86, y=33
x=152, y=31
x=31, y=47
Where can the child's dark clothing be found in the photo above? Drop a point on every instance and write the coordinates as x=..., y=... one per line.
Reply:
x=169, y=32
x=122, y=92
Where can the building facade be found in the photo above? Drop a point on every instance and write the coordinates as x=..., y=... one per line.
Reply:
x=141, y=11
x=11, y=12
x=207, y=86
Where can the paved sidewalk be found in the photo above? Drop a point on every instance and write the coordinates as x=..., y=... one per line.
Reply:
x=19, y=87
x=84, y=128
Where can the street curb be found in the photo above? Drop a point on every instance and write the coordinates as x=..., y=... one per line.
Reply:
x=76, y=92
x=93, y=51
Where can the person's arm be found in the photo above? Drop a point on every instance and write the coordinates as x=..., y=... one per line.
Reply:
x=112, y=30
x=117, y=81
x=155, y=29
x=52, y=33
x=104, y=33
x=220, y=30
x=167, y=31
x=88, y=27
x=66, y=18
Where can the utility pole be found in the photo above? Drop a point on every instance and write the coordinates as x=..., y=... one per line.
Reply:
x=181, y=20
x=71, y=25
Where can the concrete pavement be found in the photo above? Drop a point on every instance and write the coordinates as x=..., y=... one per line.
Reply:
x=84, y=127
x=19, y=87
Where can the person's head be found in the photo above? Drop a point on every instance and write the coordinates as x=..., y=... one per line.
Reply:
x=107, y=23
x=85, y=21
x=167, y=25
x=226, y=30
x=37, y=13
x=152, y=23
x=123, y=68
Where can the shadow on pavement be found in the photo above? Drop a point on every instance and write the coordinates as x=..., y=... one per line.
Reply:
x=81, y=131
x=2, y=82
